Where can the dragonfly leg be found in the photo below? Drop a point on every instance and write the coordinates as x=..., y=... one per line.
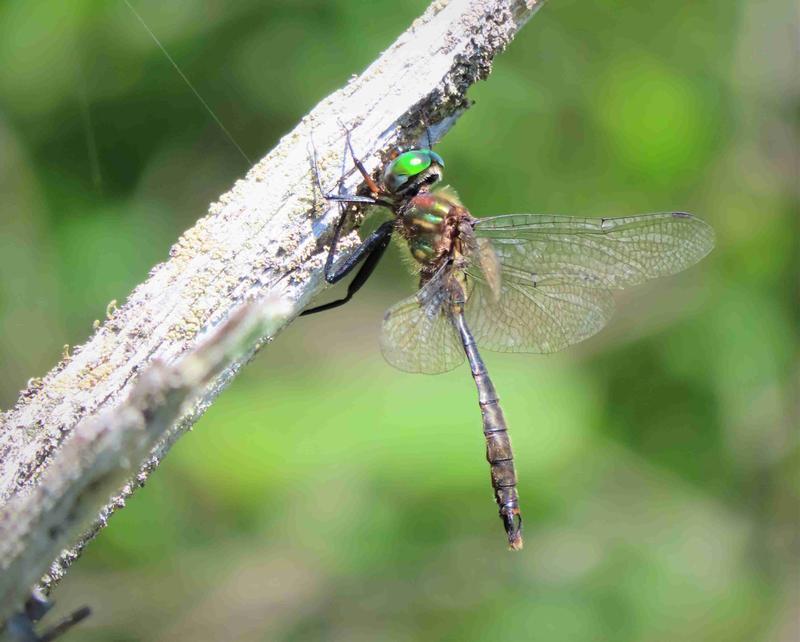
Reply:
x=370, y=252
x=373, y=186
x=20, y=627
x=341, y=196
x=66, y=624
x=373, y=247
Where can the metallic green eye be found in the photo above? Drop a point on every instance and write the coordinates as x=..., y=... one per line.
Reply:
x=402, y=169
x=411, y=163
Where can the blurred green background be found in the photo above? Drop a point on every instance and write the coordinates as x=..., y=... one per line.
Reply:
x=658, y=460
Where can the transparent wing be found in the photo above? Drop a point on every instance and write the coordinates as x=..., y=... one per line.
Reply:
x=558, y=273
x=546, y=317
x=612, y=252
x=417, y=334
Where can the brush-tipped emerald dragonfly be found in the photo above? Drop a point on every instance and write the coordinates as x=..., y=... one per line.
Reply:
x=510, y=283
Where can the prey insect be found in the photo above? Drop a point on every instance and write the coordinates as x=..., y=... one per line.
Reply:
x=510, y=283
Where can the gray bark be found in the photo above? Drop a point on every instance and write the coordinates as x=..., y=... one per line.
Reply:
x=82, y=438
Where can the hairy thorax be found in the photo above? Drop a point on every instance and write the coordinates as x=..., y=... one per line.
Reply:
x=432, y=224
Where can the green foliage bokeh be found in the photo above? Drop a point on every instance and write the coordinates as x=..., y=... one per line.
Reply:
x=326, y=496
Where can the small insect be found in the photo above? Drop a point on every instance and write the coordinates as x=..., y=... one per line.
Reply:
x=511, y=283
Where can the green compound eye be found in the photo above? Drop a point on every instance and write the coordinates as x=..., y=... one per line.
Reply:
x=411, y=163
x=407, y=165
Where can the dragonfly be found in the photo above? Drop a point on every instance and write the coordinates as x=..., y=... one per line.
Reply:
x=510, y=283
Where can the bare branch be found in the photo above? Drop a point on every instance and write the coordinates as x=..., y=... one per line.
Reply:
x=70, y=447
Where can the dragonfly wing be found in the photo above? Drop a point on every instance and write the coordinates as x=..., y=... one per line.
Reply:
x=546, y=316
x=558, y=273
x=610, y=252
x=418, y=335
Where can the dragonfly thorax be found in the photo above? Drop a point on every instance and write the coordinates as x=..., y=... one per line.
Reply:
x=429, y=223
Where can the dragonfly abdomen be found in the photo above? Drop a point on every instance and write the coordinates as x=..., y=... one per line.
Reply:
x=498, y=444
x=501, y=460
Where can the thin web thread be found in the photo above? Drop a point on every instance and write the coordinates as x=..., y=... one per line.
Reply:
x=188, y=83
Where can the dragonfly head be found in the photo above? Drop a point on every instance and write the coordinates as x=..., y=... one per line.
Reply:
x=413, y=170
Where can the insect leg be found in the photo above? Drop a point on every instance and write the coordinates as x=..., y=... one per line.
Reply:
x=373, y=247
x=370, y=252
x=20, y=626
x=373, y=186
x=66, y=624
x=341, y=196
x=366, y=248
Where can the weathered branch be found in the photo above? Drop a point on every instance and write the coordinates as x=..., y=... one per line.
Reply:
x=71, y=446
